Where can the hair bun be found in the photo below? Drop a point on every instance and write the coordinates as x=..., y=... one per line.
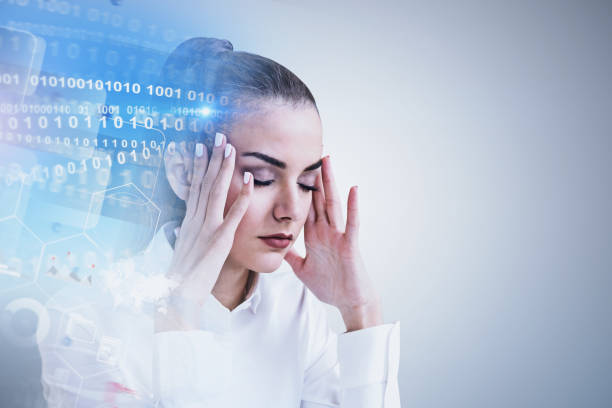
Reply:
x=211, y=47
x=193, y=59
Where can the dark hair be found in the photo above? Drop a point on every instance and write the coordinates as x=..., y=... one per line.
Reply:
x=240, y=82
x=243, y=80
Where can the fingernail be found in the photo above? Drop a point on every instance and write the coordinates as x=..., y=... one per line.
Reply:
x=199, y=149
x=218, y=139
x=228, y=149
x=247, y=177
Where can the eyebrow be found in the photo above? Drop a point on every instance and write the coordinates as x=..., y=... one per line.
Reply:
x=278, y=163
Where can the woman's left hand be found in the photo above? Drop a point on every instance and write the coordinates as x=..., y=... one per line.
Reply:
x=333, y=268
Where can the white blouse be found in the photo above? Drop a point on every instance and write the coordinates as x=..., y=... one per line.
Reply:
x=275, y=349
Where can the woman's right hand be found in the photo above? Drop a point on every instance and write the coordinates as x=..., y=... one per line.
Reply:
x=205, y=237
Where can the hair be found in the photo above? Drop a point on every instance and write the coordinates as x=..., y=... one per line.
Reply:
x=240, y=83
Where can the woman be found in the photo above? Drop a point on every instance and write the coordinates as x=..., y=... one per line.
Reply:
x=231, y=333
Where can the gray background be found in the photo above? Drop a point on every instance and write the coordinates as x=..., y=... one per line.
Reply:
x=480, y=134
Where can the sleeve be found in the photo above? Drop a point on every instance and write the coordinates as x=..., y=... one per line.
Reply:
x=369, y=365
x=353, y=370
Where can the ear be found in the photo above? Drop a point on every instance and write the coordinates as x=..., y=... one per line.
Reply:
x=178, y=161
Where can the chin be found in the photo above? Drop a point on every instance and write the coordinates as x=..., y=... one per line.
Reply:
x=266, y=263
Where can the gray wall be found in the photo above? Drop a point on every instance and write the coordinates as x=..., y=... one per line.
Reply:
x=480, y=134
x=481, y=137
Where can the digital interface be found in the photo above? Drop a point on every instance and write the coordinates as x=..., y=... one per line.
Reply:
x=85, y=119
x=479, y=137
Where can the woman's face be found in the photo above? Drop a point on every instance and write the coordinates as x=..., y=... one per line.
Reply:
x=282, y=149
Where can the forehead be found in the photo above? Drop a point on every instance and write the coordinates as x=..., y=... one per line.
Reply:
x=292, y=135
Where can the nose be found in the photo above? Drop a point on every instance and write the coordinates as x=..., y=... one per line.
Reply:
x=286, y=206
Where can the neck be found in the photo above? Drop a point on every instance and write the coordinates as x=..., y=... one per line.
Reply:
x=231, y=283
x=230, y=286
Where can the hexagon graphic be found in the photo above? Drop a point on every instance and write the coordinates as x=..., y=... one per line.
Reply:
x=122, y=220
x=56, y=193
x=53, y=215
x=71, y=263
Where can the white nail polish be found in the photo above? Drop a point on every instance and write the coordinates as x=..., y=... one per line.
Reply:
x=218, y=139
x=199, y=149
x=247, y=177
x=228, y=149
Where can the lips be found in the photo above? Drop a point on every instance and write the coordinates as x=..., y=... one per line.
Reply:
x=283, y=236
x=277, y=241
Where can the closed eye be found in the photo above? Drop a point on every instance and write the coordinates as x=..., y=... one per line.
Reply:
x=304, y=187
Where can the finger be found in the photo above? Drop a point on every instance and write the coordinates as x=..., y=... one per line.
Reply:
x=352, y=219
x=318, y=197
x=333, y=204
x=211, y=174
x=199, y=168
x=309, y=224
x=218, y=193
x=239, y=207
x=310, y=219
x=295, y=260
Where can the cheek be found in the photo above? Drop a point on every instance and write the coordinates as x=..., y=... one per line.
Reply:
x=305, y=208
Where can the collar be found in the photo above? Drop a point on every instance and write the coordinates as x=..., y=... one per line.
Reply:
x=254, y=296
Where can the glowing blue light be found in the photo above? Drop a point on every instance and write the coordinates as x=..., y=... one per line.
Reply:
x=205, y=111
